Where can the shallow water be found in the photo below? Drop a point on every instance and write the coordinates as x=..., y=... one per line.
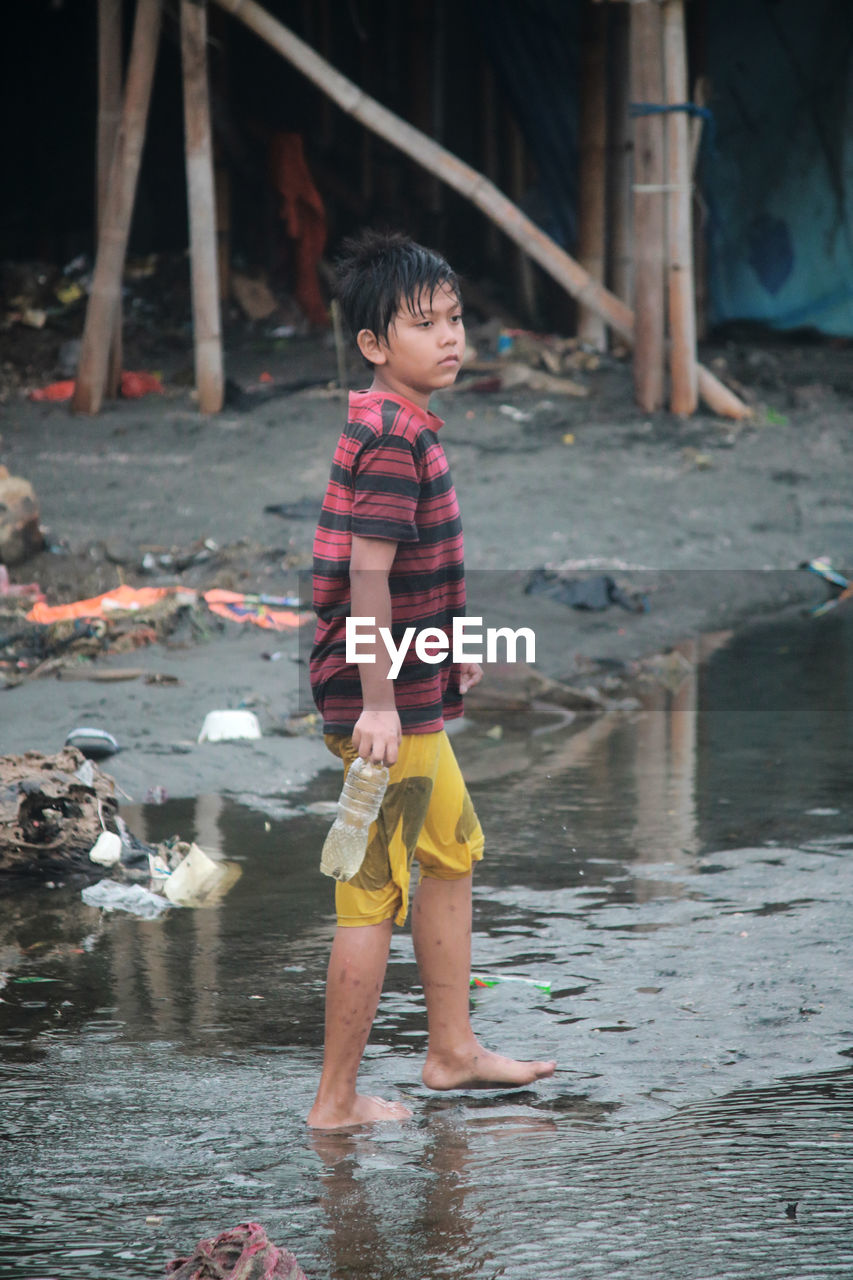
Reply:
x=681, y=876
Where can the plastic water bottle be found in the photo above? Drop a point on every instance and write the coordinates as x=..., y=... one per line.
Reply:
x=358, y=806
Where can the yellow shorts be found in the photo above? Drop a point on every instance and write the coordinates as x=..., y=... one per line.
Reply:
x=426, y=815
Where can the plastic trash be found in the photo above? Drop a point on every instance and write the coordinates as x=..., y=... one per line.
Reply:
x=358, y=806
x=110, y=895
x=200, y=880
x=498, y=979
x=95, y=744
x=223, y=726
x=56, y=391
x=134, y=386
x=106, y=850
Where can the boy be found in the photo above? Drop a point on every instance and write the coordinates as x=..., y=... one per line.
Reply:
x=388, y=548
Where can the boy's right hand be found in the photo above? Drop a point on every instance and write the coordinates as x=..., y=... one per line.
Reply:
x=377, y=735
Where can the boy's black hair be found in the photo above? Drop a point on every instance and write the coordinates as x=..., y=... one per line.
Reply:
x=381, y=271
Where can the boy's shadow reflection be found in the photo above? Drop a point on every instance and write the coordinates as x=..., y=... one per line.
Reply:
x=398, y=1208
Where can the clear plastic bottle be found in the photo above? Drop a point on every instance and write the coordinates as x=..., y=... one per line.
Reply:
x=358, y=806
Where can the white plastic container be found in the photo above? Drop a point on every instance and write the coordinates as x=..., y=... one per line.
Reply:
x=223, y=726
x=199, y=880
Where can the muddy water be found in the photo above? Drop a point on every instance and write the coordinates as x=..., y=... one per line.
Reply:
x=682, y=878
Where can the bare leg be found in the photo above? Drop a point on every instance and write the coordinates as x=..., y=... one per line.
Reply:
x=354, y=982
x=441, y=930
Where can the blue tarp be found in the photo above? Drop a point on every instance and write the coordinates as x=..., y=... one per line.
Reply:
x=778, y=179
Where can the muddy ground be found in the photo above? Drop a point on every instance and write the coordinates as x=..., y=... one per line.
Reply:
x=706, y=520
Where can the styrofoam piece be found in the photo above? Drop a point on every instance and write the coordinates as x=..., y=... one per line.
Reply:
x=222, y=726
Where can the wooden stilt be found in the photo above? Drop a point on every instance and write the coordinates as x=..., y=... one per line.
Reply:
x=621, y=158
x=202, y=207
x=219, y=86
x=681, y=302
x=701, y=96
x=649, y=206
x=115, y=226
x=109, y=115
x=592, y=208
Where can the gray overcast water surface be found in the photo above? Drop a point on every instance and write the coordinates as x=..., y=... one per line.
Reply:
x=682, y=878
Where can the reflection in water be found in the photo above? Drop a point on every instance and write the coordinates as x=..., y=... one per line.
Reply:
x=681, y=874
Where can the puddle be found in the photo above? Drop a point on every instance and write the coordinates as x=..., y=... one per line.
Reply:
x=682, y=878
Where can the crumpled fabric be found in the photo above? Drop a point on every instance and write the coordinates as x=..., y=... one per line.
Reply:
x=244, y=1252
x=304, y=217
x=595, y=594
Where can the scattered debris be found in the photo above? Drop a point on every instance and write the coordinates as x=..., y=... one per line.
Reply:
x=840, y=585
x=595, y=594
x=24, y=591
x=94, y=744
x=198, y=880
x=262, y=610
x=254, y=296
x=225, y=726
x=112, y=895
x=20, y=532
x=516, y=687
x=106, y=850
x=53, y=808
x=245, y=1252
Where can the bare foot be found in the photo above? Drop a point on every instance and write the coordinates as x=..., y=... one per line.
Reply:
x=479, y=1068
x=364, y=1109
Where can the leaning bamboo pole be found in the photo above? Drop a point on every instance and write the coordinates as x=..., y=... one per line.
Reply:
x=646, y=76
x=198, y=146
x=109, y=116
x=462, y=178
x=115, y=226
x=679, y=266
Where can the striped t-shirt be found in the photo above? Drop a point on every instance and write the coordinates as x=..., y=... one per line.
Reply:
x=389, y=479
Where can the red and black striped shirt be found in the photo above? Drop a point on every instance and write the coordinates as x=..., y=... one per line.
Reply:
x=389, y=479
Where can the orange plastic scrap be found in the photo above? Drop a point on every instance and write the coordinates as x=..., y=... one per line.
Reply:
x=133, y=387
x=247, y=608
x=136, y=385
x=123, y=599
x=56, y=391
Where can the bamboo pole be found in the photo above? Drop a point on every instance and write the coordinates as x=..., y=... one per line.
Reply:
x=592, y=203
x=109, y=115
x=649, y=209
x=681, y=302
x=701, y=95
x=115, y=228
x=621, y=161
x=218, y=40
x=202, y=207
x=461, y=177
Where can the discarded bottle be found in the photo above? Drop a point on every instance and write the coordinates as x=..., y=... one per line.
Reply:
x=358, y=806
